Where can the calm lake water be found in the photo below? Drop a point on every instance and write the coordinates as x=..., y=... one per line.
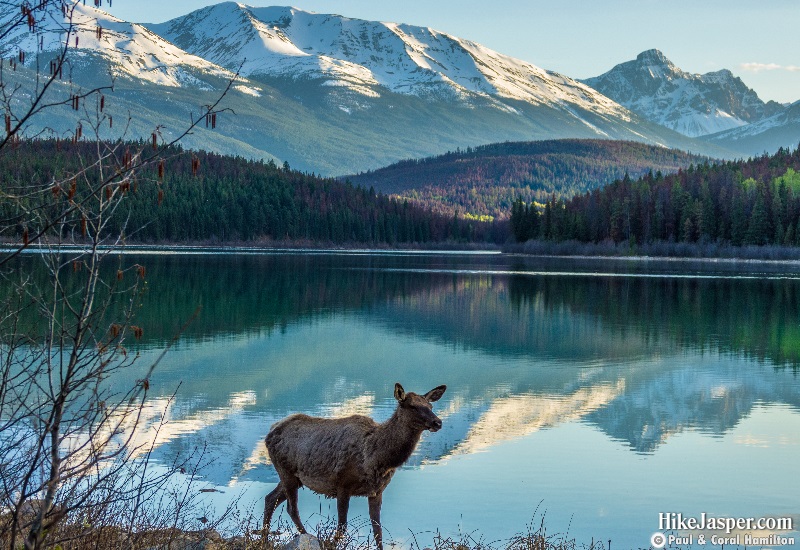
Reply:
x=595, y=393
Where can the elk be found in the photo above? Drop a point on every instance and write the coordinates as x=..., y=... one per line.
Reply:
x=346, y=457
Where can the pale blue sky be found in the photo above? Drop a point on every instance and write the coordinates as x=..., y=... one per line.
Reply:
x=758, y=40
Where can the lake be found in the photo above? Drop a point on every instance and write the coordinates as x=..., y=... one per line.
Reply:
x=596, y=394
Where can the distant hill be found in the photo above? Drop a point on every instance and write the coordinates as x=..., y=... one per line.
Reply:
x=486, y=180
x=750, y=202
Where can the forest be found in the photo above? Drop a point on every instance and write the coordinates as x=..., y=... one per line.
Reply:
x=744, y=202
x=485, y=181
x=207, y=197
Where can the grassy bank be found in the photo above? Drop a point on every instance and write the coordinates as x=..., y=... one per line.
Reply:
x=78, y=536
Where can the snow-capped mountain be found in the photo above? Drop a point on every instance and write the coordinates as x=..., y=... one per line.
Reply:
x=692, y=104
x=129, y=49
x=326, y=93
x=364, y=56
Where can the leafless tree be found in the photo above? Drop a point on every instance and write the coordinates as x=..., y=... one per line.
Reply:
x=67, y=431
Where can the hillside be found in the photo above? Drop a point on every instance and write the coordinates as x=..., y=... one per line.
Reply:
x=753, y=202
x=234, y=200
x=486, y=180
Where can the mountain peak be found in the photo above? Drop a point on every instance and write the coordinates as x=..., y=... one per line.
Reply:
x=692, y=104
x=656, y=65
x=130, y=50
x=653, y=56
x=368, y=57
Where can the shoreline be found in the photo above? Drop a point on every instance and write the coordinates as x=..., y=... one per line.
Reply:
x=662, y=251
x=657, y=252
x=257, y=246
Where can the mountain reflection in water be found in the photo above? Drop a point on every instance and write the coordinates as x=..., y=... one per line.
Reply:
x=306, y=332
x=638, y=351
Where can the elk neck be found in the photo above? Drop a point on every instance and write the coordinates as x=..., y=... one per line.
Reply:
x=396, y=439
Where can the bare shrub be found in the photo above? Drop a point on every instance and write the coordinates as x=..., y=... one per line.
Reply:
x=71, y=472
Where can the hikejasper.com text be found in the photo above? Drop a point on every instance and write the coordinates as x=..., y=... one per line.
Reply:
x=675, y=521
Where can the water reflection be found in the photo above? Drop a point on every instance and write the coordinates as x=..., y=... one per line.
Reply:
x=640, y=360
x=507, y=314
x=329, y=334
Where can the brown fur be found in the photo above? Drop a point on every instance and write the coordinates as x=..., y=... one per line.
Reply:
x=345, y=457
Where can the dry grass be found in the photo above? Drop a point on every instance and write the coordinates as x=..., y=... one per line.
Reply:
x=534, y=537
x=101, y=533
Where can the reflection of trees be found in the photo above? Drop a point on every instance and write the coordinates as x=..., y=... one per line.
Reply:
x=569, y=341
x=242, y=294
x=756, y=317
x=483, y=313
x=255, y=293
x=569, y=317
x=578, y=319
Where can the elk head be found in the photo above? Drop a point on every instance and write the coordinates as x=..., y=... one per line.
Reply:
x=418, y=408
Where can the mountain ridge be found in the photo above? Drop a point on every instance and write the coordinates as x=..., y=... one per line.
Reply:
x=779, y=130
x=693, y=104
x=337, y=95
x=402, y=58
x=131, y=49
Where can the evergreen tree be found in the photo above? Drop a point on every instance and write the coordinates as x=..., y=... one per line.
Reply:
x=758, y=229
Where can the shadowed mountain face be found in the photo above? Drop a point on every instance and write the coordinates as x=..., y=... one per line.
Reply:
x=780, y=130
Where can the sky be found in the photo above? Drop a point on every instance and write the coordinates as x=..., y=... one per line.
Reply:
x=758, y=40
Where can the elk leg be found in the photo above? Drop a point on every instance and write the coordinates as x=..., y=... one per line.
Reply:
x=271, y=503
x=342, y=506
x=291, y=504
x=375, y=517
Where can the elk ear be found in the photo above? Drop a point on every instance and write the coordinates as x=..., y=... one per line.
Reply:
x=435, y=393
x=399, y=392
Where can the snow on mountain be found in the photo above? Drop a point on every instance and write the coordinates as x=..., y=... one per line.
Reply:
x=780, y=130
x=365, y=56
x=129, y=49
x=326, y=93
x=791, y=115
x=692, y=104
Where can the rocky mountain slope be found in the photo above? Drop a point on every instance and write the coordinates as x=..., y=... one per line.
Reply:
x=692, y=104
x=767, y=135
